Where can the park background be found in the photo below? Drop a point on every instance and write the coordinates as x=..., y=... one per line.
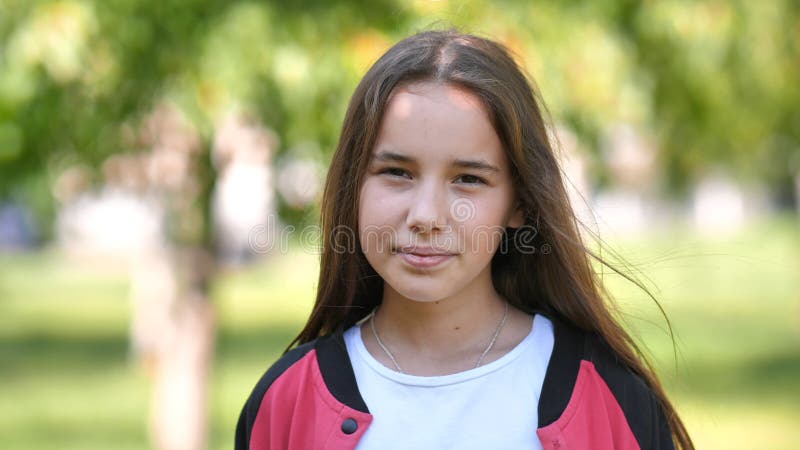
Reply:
x=161, y=164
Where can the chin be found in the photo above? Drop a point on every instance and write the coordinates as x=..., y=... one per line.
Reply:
x=421, y=291
x=422, y=298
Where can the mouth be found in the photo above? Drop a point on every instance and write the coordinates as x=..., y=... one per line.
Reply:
x=424, y=258
x=423, y=251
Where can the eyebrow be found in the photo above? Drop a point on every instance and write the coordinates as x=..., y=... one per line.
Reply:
x=477, y=164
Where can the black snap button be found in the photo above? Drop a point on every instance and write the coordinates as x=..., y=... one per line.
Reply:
x=349, y=426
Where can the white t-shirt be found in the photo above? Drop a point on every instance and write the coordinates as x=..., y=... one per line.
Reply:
x=493, y=406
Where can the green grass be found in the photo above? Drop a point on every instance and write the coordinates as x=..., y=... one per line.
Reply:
x=67, y=382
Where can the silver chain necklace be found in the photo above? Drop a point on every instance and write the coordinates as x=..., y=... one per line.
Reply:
x=389, y=354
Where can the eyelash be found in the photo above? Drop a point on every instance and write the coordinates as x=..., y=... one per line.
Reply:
x=389, y=169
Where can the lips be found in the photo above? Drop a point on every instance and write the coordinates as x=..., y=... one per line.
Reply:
x=424, y=251
x=424, y=258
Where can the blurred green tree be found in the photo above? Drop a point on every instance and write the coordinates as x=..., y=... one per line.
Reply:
x=96, y=84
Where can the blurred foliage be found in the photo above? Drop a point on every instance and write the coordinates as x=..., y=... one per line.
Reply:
x=714, y=82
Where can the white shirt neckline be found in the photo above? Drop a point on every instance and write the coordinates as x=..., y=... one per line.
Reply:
x=443, y=380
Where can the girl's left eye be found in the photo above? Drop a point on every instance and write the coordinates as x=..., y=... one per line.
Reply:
x=472, y=179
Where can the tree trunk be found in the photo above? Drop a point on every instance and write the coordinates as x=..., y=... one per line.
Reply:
x=183, y=356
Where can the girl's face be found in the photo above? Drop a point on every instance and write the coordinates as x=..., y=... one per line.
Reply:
x=437, y=182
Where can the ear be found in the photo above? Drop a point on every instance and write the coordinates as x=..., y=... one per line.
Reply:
x=517, y=218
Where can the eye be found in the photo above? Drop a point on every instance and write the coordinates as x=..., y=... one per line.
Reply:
x=394, y=171
x=472, y=179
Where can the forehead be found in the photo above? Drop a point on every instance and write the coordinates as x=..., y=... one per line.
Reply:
x=438, y=122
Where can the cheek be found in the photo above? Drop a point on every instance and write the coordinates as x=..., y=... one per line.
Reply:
x=375, y=230
x=364, y=222
x=481, y=239
x=483, y=232
x=380, y=205
x=369, y=207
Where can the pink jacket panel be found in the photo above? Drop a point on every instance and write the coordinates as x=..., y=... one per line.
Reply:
x=592, y=419
x=299, y=413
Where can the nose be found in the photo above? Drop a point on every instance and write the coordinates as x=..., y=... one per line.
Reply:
x=428, y=209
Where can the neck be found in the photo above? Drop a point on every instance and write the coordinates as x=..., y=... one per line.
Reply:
x=446, y=329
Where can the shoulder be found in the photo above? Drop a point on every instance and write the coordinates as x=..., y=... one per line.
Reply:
x=278, y=369
x=584, y=358
x=638, y=401
x=322, y=362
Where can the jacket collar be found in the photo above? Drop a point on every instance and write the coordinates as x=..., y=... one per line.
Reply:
x=562, y=370
x=337, y=371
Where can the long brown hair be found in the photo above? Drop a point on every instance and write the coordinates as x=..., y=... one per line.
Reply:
x=559, y=280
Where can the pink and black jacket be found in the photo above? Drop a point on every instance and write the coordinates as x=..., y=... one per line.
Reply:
x=309, y=399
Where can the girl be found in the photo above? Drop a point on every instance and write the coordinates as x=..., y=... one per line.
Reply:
x=456, y=306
